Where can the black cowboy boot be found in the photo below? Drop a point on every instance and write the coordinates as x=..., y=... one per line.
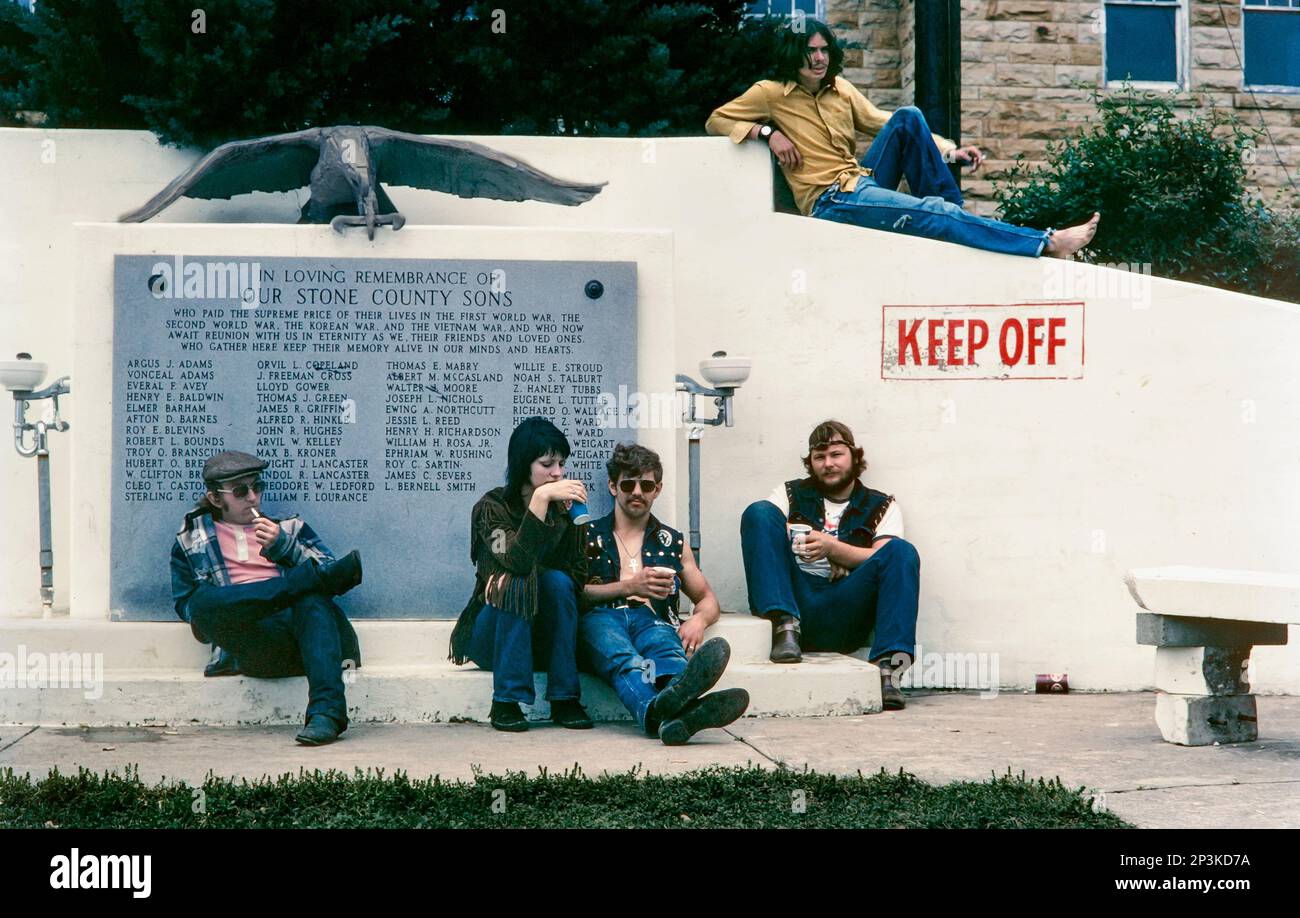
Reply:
x=715, y=710
x=222, y=663
x=702, y=672
x=342, y=575
x=320, y=729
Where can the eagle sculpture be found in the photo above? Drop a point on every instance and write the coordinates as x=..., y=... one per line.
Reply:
x=345, y=166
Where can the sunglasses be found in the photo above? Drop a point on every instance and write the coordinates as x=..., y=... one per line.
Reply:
x=241, y=491
x=648, y=485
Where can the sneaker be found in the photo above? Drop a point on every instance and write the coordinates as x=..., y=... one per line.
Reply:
x=320, y=730
x=505, y=715
x=702, y=672
x=570, y=714
x=715, y=710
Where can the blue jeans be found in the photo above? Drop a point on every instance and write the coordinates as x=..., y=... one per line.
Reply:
x=633, y=650
x=278, y=628
x=933, y=210
x=880, y=593
x=904, y=148
x=514, y=648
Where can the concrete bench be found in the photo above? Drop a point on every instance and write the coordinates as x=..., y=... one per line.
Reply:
x=1203, y=623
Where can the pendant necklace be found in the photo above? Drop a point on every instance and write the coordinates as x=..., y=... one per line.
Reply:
x=633, y=561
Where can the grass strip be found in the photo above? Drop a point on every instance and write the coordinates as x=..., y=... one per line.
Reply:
x=714, y=797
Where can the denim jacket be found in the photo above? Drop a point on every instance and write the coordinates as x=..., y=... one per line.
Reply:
x=196, y=556
x=866, y=509
x=661, y=547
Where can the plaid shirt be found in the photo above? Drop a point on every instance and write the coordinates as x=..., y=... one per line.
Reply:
x=196, y=556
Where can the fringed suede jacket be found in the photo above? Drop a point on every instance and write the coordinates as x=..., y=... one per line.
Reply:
x=508, y=545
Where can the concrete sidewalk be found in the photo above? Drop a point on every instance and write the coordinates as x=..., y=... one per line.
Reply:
x=1103, y=741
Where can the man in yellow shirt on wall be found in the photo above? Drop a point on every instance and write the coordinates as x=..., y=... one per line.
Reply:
x=809, y=115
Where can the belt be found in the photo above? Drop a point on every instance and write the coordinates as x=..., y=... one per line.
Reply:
x=630, y=604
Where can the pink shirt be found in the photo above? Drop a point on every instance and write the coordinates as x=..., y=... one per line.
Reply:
x=242, y=554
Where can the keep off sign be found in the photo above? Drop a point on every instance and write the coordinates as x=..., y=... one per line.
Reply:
x=1021, y=341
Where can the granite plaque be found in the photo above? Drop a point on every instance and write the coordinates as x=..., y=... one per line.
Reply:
x=382, y=391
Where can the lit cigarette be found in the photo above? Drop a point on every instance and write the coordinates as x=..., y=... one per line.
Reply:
x=256, y=515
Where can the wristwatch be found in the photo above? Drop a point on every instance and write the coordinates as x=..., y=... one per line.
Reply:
x=765, y=133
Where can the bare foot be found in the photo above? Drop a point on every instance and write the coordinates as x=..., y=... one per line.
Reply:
x=1065, y=242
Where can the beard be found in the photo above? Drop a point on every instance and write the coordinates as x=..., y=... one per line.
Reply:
x=826, y=489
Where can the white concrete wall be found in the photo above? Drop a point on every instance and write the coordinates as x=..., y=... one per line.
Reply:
x=1027, y=500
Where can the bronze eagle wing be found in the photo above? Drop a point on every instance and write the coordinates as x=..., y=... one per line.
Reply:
x=282, y=162
x=467, y=169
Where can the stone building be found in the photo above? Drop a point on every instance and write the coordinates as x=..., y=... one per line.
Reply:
x=1022, y=63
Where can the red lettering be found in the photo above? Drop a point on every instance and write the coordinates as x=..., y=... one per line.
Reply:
x=1053, y=342
x=1011, y=359
x=908, y=339
x=979, y=336
x=954, y=343
x=936, y=325
x=1035, y=340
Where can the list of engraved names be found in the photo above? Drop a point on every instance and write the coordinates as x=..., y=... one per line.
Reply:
x=379, y=388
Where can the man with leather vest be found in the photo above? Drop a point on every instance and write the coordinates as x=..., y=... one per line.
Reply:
x=262, y=588
x=631, y=634
x=826, y=562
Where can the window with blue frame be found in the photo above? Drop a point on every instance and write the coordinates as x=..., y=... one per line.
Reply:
x=1144, y=41
x=1271, y=42
x=815, y=9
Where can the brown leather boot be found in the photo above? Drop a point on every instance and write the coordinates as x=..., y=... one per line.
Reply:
x=891, y=695
x=785, y=640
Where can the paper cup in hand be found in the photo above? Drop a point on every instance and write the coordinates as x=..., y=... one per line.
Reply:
x=671, y=573
x=798, y=532
x=579, y=513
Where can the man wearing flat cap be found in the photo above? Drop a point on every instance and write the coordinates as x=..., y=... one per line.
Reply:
x=262, y=590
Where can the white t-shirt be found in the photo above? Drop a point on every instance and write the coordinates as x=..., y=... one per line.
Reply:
x=892, y=524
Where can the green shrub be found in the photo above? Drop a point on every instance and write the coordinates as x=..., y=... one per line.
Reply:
x=1171, y=192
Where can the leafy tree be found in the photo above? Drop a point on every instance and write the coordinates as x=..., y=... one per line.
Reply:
x=73, y=60
x=251, y=67
x=17, y=57
x=610, y=67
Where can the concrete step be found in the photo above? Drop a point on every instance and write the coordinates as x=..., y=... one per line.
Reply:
x=170, y=645
x=823, y=684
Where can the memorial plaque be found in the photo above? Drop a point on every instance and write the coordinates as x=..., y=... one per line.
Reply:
x=382, y=392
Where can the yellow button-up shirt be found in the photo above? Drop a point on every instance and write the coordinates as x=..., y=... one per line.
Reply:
x=822, y=129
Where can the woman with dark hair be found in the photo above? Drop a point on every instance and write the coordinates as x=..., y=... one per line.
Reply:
x=530, y=567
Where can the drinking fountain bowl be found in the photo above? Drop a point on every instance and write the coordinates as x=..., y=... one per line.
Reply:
x=723, y=372
x=21, y=375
